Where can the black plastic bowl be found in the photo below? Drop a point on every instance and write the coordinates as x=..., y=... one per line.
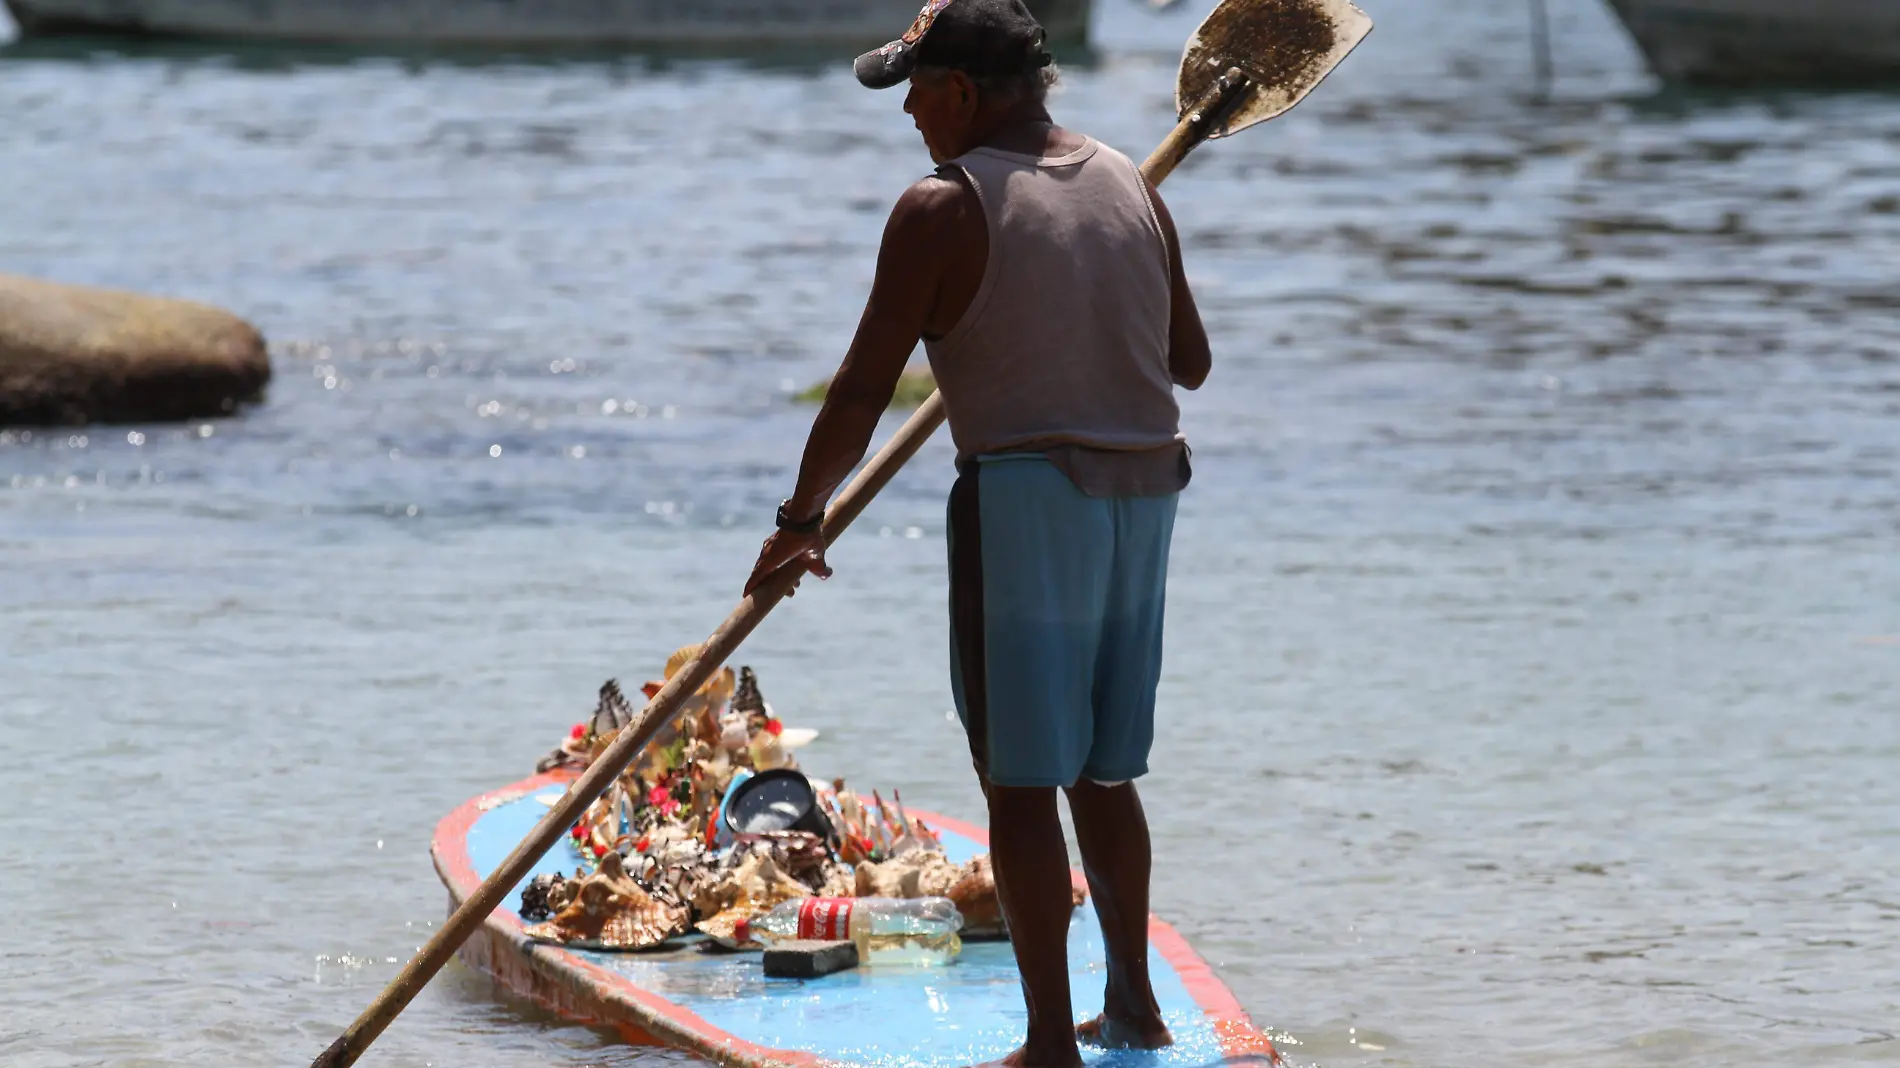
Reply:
x=778, y=800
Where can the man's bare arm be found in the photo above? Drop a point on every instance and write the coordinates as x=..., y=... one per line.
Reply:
x=1189, y=358
x=910, y=266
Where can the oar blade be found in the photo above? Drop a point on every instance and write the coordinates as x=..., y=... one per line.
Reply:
x=1285, y=47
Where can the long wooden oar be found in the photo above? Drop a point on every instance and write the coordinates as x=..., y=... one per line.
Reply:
x=1249, y=61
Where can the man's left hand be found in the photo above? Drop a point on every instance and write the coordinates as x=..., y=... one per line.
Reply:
x=786, y=549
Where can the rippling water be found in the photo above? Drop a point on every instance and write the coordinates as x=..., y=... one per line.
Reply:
x=1533, y=647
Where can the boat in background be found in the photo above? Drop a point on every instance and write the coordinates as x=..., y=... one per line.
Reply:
x=721, y=1005
x=1744, y=42
x=546, y=23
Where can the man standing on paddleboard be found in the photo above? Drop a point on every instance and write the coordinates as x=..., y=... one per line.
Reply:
x=1043, y=274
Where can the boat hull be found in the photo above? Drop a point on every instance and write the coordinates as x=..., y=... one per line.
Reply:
x=549, y=23
x=721, y=1007
x=1742, y=42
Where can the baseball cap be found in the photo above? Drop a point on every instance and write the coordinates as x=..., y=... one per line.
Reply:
x=978, y=37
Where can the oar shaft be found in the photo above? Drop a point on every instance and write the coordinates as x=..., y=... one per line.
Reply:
x=873, y=477
x=1200, y=120
x=625, y=746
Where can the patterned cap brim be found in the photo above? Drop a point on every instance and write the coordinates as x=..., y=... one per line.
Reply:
x=884, y=67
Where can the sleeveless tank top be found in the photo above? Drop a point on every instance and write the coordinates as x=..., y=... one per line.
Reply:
x=1064, y=348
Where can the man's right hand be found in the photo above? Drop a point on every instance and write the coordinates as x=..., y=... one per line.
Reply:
x=786, y=549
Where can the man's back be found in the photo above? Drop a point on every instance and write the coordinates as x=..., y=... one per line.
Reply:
x=1065, y=340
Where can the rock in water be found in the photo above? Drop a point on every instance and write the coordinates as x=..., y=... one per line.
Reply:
x=74, y=354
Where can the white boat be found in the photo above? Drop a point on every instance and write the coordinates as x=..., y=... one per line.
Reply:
x=551, y=23
x=1764, y=41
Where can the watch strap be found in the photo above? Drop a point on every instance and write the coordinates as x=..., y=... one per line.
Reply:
x=798, y=526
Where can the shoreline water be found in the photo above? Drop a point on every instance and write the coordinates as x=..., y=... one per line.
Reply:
x=1519, y=709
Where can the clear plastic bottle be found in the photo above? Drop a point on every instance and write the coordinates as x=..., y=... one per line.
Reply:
x=887, y=930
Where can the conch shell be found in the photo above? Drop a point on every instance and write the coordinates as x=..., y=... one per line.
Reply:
x=768, y=752
x=974, y=894
x=717, y=770
x=763, y=883
x=918, y=873
x=613, y=871
x=698, y=716
x=836, y=880
x=755, y=886
x=800, y=854
x=562, y=893
x=611, y=713
x=673, y=845
x=610, y=911
x=975, y=897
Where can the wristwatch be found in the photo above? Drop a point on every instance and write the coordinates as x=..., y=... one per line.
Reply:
x=799, y=526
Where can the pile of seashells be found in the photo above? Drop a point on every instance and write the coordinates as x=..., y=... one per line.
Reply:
x=656, y=860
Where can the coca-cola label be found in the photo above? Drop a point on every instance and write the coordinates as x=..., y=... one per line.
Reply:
x=824, y=919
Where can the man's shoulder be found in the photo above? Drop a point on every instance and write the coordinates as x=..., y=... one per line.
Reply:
x=933, y=203
x=945, y=190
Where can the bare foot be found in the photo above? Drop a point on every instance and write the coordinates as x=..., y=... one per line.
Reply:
x=1108, y=1032
x=1051, y=1058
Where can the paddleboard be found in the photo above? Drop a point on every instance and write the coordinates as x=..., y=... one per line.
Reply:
x=721, y=1005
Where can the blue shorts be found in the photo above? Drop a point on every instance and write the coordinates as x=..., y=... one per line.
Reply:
x=1056, y=600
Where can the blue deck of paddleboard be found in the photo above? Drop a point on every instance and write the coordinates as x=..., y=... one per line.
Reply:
x=969, y=1012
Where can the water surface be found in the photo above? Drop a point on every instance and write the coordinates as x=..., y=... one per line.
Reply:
x=1533, y=645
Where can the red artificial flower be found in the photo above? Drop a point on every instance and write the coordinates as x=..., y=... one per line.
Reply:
x=577, y=830
x=669, y=806
x=658, y=795
x=579, y=731
x=865, y=843
x=599, y=850
x=774, y=728
x=642, y=844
